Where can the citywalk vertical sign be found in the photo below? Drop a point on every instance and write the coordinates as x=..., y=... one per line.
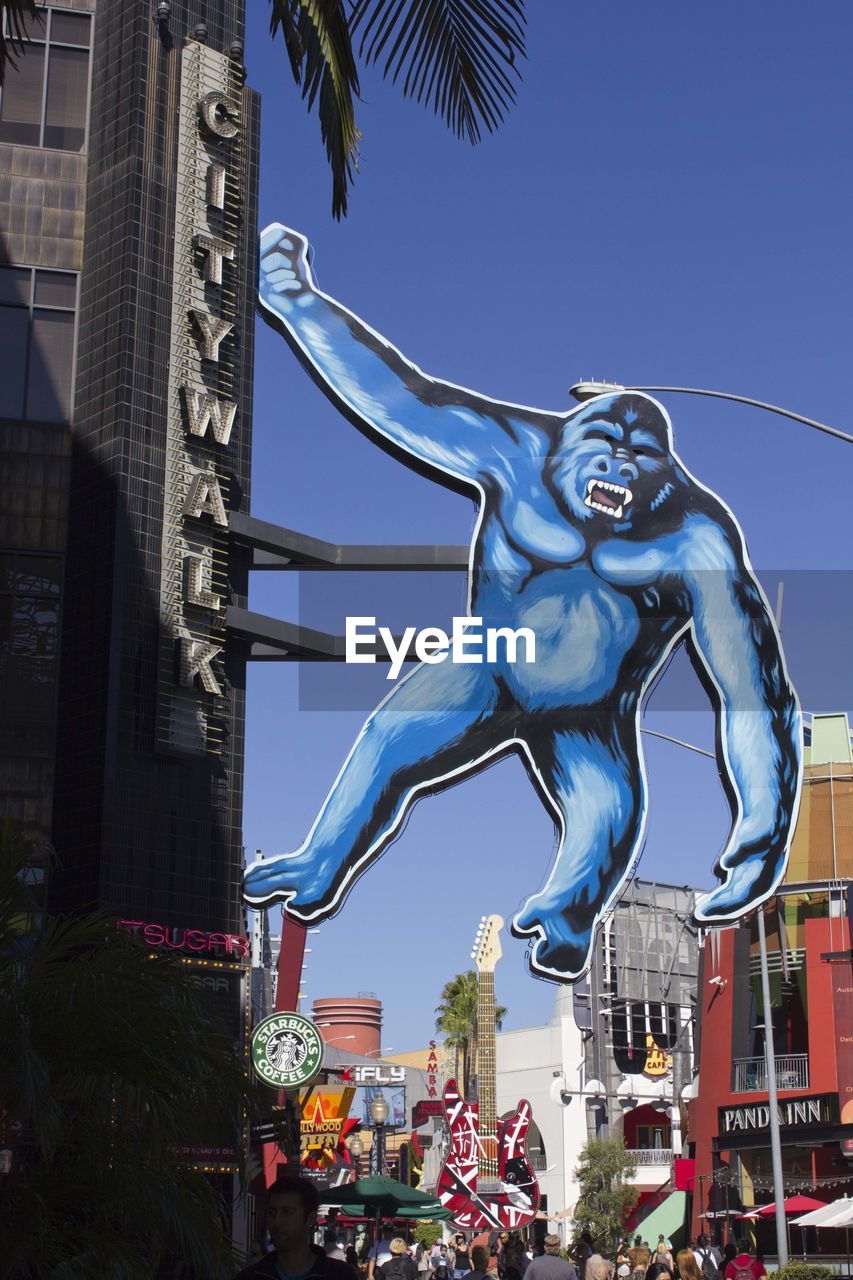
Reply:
x=203, y=415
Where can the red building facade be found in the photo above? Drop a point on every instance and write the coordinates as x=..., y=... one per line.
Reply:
x=811, y=979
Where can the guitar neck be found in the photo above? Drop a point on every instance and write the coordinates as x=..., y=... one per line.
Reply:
x=487, y=1120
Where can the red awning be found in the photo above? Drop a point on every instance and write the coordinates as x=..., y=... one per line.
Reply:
x=793, y=1204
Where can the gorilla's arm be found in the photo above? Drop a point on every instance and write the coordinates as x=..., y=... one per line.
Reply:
x=758, y=716
x=464, y=435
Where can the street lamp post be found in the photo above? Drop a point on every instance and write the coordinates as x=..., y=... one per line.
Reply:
x=356, y=1147
x=772, y=1099
x=379, y=1116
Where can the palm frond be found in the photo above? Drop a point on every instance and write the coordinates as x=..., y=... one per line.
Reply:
x=459, y=56
x=317, y=38
x=21, y=15
x=113, y=1064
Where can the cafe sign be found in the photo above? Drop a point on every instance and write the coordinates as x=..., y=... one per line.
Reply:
x=795, y=1113
x=287, y=1051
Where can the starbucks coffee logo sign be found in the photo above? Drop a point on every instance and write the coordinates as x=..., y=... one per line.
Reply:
x=286, y=1050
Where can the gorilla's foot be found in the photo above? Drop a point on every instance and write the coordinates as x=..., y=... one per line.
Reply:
x=745, y=886
x=303, y=881
x=564, y=940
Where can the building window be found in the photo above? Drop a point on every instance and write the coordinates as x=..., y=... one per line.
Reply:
x=29, y=636
x=43, y=103
x=37, y=314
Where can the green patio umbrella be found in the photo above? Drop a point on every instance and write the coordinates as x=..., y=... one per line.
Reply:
x=385, y=1197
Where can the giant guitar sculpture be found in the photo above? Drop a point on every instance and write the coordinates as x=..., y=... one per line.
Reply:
x=486, y=1180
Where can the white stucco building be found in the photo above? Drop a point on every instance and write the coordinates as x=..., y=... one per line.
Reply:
x=615, y=1058
x=531, y=1064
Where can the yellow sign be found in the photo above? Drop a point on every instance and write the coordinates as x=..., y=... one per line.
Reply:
x=324, y=1116
x=658, y=1063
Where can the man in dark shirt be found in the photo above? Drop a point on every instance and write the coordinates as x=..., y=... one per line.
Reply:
x=550, y=1266
x=292, y=1205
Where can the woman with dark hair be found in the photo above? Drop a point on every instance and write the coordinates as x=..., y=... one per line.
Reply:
x=462, y=1260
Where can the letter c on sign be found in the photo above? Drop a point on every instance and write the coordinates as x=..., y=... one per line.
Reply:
x=217, y=111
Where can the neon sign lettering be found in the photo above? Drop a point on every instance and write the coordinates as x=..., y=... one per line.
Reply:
x=197, y=940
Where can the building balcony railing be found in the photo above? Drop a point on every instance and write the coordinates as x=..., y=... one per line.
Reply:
x=792, y=1072
x=649, y=1155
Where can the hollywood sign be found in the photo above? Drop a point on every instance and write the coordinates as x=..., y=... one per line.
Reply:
x=203, y=375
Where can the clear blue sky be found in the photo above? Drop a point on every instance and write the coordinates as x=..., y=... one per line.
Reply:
x=671, y=201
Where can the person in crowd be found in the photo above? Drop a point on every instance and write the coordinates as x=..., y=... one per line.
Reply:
x=581, y=1251
x=480, y=1259
x=400, y=1265
x=352, y=1257
x=598, y=1268
x=639, y=1258
x=708, y=1257
x=729, y=1254
x=550, y=1266
x=379, y=1253
x=291, y=1216
x=441, y=1264
x=687, y=1266
x=656, y=1271
x=663, y=1255
x=744, y=1265
x=332, y=1246
x=517, y=1262
x=462, y=1257
x=622, y=1250
x=500, y=1253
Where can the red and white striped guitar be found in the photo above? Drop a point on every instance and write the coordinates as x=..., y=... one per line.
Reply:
x=486, y=1180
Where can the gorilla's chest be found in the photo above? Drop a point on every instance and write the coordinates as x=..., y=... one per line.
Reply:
x=530, y=538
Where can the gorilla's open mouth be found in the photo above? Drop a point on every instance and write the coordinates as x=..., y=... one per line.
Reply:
x=603, y=495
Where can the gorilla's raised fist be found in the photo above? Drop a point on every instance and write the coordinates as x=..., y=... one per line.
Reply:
x=285, y=265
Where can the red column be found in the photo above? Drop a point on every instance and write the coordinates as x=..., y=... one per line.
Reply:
x=291, y=953
x=715, y=1068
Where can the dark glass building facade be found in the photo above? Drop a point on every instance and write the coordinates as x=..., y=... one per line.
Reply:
x=128, y=213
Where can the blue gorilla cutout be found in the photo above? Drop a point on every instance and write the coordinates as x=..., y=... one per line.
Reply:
x=592, y=533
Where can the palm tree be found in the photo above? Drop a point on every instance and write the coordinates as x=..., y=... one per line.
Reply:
x=111, y=1064
x=457, y=56
x=458, y=1019
x=20, y=15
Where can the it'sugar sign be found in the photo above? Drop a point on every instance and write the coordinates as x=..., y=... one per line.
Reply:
x=594, y=535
